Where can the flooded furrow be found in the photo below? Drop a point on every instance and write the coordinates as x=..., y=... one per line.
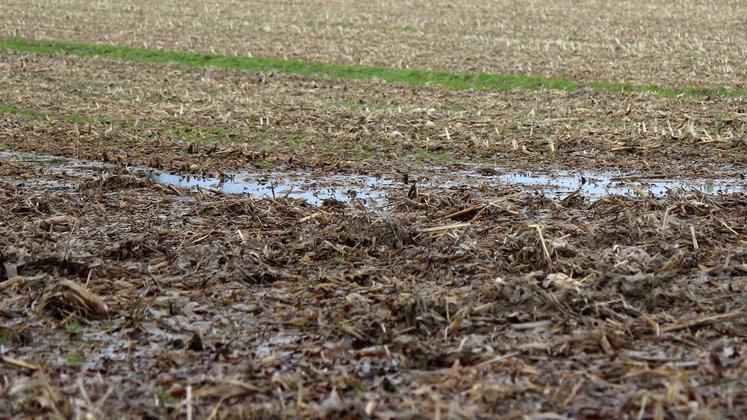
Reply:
x=316, y=187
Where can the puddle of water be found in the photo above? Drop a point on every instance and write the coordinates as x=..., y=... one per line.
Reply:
x=314, y=189
x=56, y=164
x=601, y=184
x=372, y=191
x=276, y=184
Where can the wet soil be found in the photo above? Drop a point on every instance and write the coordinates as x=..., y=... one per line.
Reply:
x=191, y=242
x=122, y=294
x=317, y=187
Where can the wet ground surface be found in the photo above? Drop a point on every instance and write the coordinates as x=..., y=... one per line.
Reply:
x=123, y=294
x=372, y=191
x=394, y=251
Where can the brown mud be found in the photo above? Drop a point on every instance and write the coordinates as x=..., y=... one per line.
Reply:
x=316, y=187
x=201, y=243
x=120, y=294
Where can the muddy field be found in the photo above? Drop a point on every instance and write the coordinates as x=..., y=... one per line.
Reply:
x=192, y=242
x=124, y=295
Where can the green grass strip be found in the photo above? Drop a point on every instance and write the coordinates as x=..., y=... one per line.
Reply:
x=26, y=112
x=453, y=80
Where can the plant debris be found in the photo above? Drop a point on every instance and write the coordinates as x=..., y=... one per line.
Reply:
x=273, y=306
x=419, y=264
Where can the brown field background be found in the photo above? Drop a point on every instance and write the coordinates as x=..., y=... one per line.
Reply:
x=670, y=43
